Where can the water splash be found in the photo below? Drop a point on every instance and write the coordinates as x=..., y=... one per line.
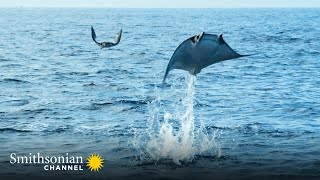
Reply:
x=172, y=135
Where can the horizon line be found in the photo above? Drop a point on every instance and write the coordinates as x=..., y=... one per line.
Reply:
x=115, y=7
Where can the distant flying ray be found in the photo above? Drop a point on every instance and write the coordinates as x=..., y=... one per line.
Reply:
x=106, y=44
x=198, y=52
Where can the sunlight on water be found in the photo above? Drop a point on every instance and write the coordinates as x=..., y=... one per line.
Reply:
x=174, y=135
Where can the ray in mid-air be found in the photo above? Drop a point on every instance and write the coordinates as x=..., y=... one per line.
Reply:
x=200, y=51
x=106, y=44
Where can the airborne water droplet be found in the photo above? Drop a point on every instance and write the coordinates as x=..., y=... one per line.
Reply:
x=177, y=139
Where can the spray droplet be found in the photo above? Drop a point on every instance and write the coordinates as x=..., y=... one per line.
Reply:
x=177, y=139
x=167, y=116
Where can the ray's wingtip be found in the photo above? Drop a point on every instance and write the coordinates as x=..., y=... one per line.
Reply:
x=163, y=83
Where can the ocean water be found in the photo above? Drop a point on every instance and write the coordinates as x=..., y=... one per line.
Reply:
x=247, y=118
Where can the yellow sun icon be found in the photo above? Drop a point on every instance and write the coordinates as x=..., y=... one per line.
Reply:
x=94, y=162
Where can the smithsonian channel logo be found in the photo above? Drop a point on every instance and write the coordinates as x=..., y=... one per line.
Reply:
x=67, y=162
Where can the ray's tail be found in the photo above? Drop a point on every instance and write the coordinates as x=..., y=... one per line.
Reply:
x=165, y=76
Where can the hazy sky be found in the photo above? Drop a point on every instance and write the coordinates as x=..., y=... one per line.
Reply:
x=160, y=3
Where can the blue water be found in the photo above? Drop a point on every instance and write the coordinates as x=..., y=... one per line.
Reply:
x=260, y=114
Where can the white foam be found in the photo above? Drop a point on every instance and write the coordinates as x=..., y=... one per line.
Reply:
x=173, y=135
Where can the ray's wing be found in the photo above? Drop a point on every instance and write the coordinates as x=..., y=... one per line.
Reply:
x=118, y=37
x=198, y=52
x=214, y=49
x=93, y=34
x=182, y=53
x=106, y=44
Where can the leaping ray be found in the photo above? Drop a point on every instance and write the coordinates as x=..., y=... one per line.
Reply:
x=200, y=51
x=106, y=44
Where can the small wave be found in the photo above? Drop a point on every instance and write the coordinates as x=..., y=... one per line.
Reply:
x=91, y=84
x=134, y=102
x=11, y=66
x=201, y=105
x=308, y=132
x=49, y=30
x=264, y=89
x=127, y=109
x=314, y=52
x=58, y=130
x=163, y=161
x=283, y=39
x=251, y=128
x=73, y=73
x=15, y=102
x=103, y=71
x=12, y=130
x=300, y=52
x=279, y=133
x=218, y=128
x=15, y=80
x=98, y=106
x=36, y=111
x=102, y=104
x=142, y=161
x=303, y=52
x=70, y=54
x=114, y=71
x=215, y=158
x=5, y=59
x=259, y=129
x=79, y=73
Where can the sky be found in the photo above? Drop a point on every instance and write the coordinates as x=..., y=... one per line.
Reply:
x=161, y=3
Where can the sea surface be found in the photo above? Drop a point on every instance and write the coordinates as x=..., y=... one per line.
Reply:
x=256, y=117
